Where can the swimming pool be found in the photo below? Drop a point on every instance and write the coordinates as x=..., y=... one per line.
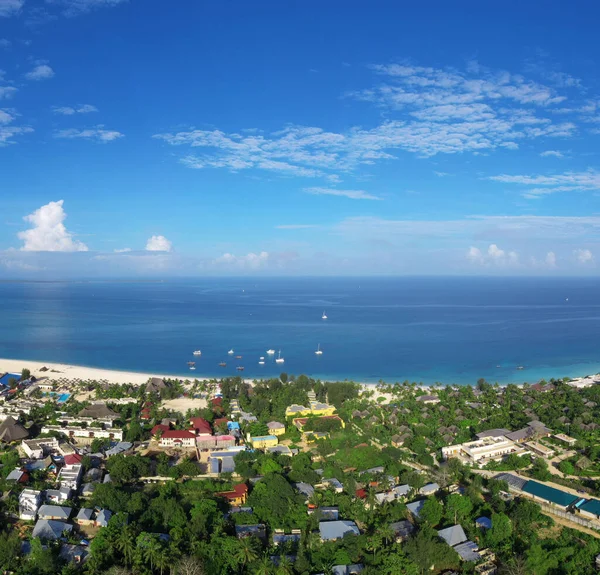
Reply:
x=61, y=397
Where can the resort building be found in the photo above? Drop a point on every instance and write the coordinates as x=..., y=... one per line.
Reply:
x=481, y=451
x=428, y=399
x=178, y=438
x=237, y=496
x=590, y=509
x=315, y=408
x=54, y=512
x=570, y=441
x=539, y=449
x=300, y=422
x=29, y=503
x=11, y=431
x=70, y=476
x=335, y=530
x=51, y=530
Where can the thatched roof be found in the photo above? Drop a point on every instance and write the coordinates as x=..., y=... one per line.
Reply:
x=11, y=431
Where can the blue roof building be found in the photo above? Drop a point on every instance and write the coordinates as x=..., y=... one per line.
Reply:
x=550, y=494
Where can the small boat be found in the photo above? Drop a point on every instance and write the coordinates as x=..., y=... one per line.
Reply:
x=520, y=367
x=238, y=357
x=261, y=358
x=324, y=316
x=270, y=352
x=222, y=364
x=240, y=368
x=319, y=352
x=192, y=368
x=261, y=362
x=231, y=352
x=190, y=363
x=279, y=358
x=197, y=352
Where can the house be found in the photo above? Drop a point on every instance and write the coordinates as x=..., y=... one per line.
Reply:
x=84, y=434
x=453, y=535
x=237, y=496
x=305, y=489
x=334, y=530
x=429, y=489
x=402, y=530
x=259, y=530
x=102, y=518
x=276, y=428
x=58, y=495
x=11, y=431
x=54, y=512
x=73, y=553
x=315, y=408
x=280, y=538
x=159, y=429
x=88, y=489
x=483, y=523
x=570, y=441
x=37, y=448
x=29, y=503
x=415, y=507
x=177, y=438
x=263, y=441
x=282, y=450
x=73, y=459
x=468, y=551
x=70, y=476
x=98, y=411
x=332, y=483
x=327, y=513
x=51, y=530
x=347, y=569
x=119, y=447
x=18, y=476
x=156, y=385
x=85, y=517
x=481, y=451
x=200, y=426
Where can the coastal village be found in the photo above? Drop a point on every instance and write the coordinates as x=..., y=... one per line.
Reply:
x=296, y=476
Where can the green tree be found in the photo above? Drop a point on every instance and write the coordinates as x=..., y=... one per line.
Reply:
x=458, y=508
x=246, y=552
x=431, y=512
x=500, y=531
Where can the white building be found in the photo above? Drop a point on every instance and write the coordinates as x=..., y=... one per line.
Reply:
x=29, y=503
x=70, y=476
x=481, y=451
x=85, y=434
x=37, y=448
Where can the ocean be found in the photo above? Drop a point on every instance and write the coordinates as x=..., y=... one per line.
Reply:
x=446, y=330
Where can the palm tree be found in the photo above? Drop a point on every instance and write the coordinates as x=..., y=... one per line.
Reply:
x=125, y=544
x=246, y=551
x=151, y=552
x=387, y=534
x=263, y=567
x=285, y=566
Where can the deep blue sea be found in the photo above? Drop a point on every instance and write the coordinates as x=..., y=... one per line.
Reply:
x=448, y=330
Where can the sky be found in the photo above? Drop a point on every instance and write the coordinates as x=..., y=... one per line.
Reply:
x=146, y=138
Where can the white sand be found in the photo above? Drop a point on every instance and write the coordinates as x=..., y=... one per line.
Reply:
x=182, y=404
x=58, y=370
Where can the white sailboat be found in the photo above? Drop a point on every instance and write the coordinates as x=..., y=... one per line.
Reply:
x=324, y=316
x=231, y=352
x=197, y=352
x=270, y=352
x=279, y=358
x=319, y=351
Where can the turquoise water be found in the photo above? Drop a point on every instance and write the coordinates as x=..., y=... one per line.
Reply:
x=450, y=330
x=61, y=398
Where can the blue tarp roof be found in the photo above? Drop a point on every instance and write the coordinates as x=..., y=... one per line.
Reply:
x=548, y=493
x=591, y=506
x=4, y=379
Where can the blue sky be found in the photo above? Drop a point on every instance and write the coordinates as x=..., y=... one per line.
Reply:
x=145, y=138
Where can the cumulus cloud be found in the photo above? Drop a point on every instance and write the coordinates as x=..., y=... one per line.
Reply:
x=71, y=110
x=41, y=72
x=352, y=194
x=10, y=7
x=48, y=232
x=493, y=256
x=7, y=128
x=7, y=92
x=97, y=134
x=250, y=261
x=158, y=244
x=552, y=153
x=551, y=259
x=584, y=256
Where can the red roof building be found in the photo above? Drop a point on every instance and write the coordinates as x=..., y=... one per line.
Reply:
x=201, y=426
x=237, y=496
x=216, y=401
x=160, y=428
x=221, y=421
x=178, y=438
x=73, y=459
x=361, y=493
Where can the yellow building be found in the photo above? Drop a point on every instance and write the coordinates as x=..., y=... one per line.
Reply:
x=276, y=428
x=315, y=408
x=263, y=441
x=312, y=436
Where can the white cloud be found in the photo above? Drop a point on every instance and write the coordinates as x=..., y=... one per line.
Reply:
x=40, y=72
x=77, y=7
x=48, y=232
x=10, y=7
x=250, y=261
x=552, y=153
x=9, y=131
x=536, y=186
x=551, y=259
x=122, y=251
x=352, y=194
x=69, y=110
x=494, y=256
x=158, y=244
x=97, y=134
x=7, y=92
x=584, y=256
x=5, y=43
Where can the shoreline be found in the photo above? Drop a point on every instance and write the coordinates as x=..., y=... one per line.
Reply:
x=56, y=371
